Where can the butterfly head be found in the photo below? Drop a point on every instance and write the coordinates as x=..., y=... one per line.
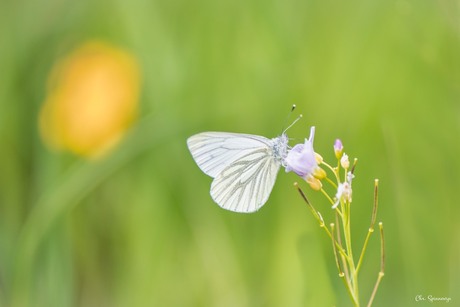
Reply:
x=281, y=143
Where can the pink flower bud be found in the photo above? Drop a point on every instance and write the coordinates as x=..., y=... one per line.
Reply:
x=338, y=148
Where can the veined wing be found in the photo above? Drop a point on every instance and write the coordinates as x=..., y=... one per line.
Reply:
x=214, y=151
x=245, y=185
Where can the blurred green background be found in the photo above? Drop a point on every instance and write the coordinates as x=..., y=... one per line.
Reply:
x=138, y=227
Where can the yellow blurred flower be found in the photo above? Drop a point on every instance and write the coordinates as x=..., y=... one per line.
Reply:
x=92, y=100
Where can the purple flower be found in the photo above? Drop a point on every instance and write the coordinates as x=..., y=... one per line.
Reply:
x=301, y=158
x=338, y=148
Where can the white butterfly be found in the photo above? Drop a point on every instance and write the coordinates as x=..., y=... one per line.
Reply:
x=244, y=166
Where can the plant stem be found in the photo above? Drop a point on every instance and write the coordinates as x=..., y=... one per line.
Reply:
x=333, y=170
x=327, y=196
x=348, y=247
x=382, y=265
x=371, y=227
x=346, y=267
x=344, y=259
x=337, y=262
x=320, y=220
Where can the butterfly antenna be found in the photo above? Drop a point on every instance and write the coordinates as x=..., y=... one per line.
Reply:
x=295, y=121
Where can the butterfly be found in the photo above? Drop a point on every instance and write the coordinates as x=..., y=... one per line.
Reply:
x=244, y=166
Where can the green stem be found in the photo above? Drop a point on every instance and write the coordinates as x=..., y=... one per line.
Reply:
x=333, y=170
x=382, y=265
x=347, y=235
x=371, y=227
x=327, y=196
x=81, y=180
x=332, y=183
x=344, y=259
x=320, y=220
x=343, y=254
x=337, y=262
x=366, y=241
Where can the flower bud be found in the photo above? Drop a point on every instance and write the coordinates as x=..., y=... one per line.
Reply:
x=319, y=158
x=314, y=183
x=319, y=173
x=344, y=161
x=338, y=148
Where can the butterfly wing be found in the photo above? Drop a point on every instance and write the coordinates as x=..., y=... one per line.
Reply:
x=242, y=165
x=245, y=185
x=214, y=151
